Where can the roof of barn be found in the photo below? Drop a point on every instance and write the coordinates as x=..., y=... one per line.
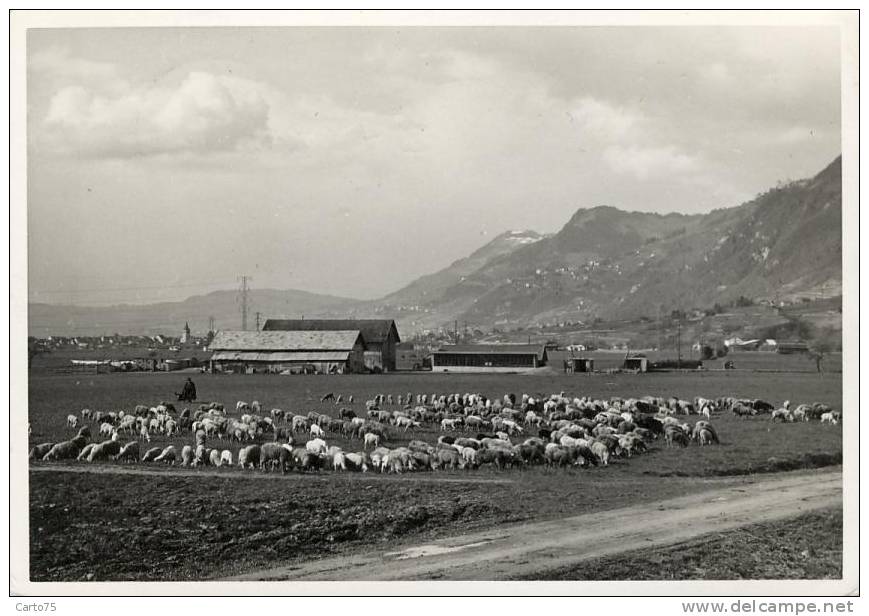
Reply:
x=340, y=340
x=373, y=330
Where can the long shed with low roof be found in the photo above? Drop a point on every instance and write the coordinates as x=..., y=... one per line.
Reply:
x=488, y=357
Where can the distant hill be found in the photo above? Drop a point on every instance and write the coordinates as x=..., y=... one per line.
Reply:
x=169, y=317
x=605, y=263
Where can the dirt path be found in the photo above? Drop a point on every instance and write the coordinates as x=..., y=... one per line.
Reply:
x=533, y=548
x=235, y=473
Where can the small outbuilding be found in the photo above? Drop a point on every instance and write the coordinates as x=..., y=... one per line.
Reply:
x=581, y=364
x=638, y=364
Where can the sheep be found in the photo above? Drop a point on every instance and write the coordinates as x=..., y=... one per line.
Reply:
x=275, y=454
x=830, y=417
x=339, y=461
x=106, y=429
x=225, y=458
x=407, y=422
x=372, y=439
x=65, y=450
x=450, y=423
x=71, y=421
x=602, y=452
x=781, y=414
x=357, y=461
x=316, y=446
x=130, y=451
x=316, y=431
x=38, y=452
x=800, y=413
x=85, y=452
x=168, y=455
x=675, y=434
x=151, y=454
x=106, y=449
x=705, y=433
x=214, y=457
x=249, y=457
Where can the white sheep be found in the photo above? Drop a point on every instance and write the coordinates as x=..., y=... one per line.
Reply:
x=167, y=455
x=316, y=446
x=371, y=439
x=830, y=417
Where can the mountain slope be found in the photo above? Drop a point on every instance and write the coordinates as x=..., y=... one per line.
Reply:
x=431, y=287
x=613, y=264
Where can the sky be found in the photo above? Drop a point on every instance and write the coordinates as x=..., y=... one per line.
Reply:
x=166, y=162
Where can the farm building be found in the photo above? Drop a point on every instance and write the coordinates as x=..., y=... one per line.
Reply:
x=327, y=352
x=640, y=364
x=787, y=348
x=409, y=357
x=380, y=336
x=488, y=357
x=581, y=364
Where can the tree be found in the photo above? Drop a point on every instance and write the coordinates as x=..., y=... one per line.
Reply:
x=820, y=347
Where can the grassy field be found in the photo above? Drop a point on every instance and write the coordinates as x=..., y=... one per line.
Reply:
x=807, y=547
x=176, y=526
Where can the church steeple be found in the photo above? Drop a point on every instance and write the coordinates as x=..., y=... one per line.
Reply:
x=185, y=336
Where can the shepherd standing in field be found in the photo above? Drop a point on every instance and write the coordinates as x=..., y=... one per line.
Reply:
x=188, y=392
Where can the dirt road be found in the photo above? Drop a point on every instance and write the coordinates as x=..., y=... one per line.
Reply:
x=533, y=548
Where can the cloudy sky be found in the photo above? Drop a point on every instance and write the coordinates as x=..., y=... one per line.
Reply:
x=166, y=162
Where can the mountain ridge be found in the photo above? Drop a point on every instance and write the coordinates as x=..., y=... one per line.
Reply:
x=604, y=262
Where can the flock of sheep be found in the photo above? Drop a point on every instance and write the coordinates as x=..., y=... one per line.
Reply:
x=555, y=431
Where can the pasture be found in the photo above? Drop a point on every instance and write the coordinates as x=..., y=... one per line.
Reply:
x=216, y=521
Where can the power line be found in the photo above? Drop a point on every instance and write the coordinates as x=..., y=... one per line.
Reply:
x=243, y=298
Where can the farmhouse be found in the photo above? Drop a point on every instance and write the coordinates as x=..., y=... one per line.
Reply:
x=380, y=336
x=327, y=352
x=488, y=357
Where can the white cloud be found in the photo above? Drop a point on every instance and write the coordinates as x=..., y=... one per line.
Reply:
x=647, y=162
x=58, y=64
x=604, y=121
x=797, y=134
x=201, y=113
